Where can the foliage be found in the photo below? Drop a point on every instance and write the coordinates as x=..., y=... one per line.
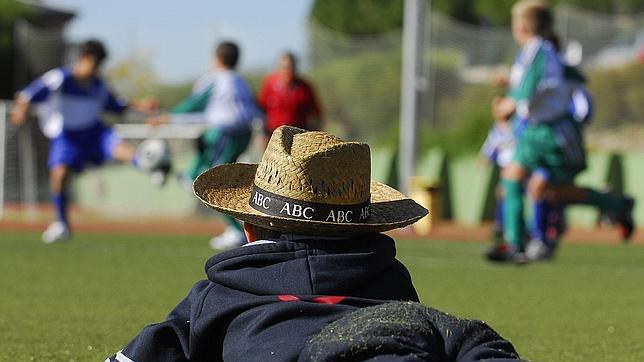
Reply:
x=362, y=90
x=377, y=16
x=465, y=138
x=498, y=12
x=170, y=94
x=618, y=95
x=360, y=93
x=358, y=16
x=134, y=76
x=10, y=10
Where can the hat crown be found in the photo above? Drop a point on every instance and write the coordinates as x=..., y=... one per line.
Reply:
x=315, y=167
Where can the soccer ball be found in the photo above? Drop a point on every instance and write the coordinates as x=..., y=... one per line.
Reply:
x=153, y=154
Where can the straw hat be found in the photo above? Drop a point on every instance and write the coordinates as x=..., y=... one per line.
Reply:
x=310, y=183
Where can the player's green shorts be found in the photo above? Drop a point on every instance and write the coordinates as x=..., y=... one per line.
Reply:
x=554, y=147
x=217, y=148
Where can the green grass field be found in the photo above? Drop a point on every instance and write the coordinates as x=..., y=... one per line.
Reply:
x=85, y=299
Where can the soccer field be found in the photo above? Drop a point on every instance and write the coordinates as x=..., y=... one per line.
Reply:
x=85, y=299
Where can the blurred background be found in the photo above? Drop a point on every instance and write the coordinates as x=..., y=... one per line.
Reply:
x=351, y=52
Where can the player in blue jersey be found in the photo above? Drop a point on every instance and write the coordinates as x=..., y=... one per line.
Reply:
x=71, y=100
x=225, y=103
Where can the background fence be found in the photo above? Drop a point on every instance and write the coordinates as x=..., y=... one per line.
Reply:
x=359, y=77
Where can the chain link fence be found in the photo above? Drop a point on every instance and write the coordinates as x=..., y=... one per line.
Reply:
x=358, y=77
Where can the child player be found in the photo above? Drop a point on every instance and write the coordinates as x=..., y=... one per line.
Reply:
x=223, y=101
x=72, y=100
x=551, y=141
x=548, y=222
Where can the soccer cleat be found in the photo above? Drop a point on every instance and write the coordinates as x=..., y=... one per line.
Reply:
x=625, y=220
x=539, y=250
x=505, y=252
x=56, y=232
x=159, y=176
x=231, y=238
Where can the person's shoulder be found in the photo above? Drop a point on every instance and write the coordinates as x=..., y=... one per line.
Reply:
x=204, y=82
x=226, y=75
x=55, y=78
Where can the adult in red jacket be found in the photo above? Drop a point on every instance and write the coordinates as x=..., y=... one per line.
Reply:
x=288, y=99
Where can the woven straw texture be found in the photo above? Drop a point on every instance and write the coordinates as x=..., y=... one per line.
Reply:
x=308, y=166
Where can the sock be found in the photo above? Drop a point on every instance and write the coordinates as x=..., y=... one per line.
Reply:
x=539, y=219
x=555, y=223
x=605, y=201
x=498, y=216
x=513, y=222
x=60, y=207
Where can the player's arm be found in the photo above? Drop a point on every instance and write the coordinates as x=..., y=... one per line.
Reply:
x=36, y=92
x=189, y=110
x=20, y=110
x=119, y=105
x=503, y=108
x=194, y=103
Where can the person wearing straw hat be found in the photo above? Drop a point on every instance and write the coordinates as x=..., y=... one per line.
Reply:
x=313, y=218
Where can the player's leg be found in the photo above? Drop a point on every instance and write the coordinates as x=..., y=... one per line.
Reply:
x=527, y=157
x=124, y=152
x=535, y=189
x=58, y=177
x=64, y=156
x=113, y=147
x=570, y=160
x=513, y=223
x=202, y=159
x=222, y=148
x=59, y=230
x=513, y=204
x=498, y=215
x=618, y=207
x=546, y=218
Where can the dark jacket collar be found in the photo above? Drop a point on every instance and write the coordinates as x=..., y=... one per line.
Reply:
x=305, y=265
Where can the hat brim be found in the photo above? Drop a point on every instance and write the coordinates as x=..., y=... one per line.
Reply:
x=227, y=189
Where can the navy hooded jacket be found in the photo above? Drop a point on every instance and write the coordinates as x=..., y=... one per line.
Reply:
x=265, y=300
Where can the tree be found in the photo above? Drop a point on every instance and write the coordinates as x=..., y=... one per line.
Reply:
x=378, y=16
x=358, y=16
x=134, y=76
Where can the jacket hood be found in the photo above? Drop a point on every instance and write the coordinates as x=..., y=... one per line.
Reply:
x=307, y=266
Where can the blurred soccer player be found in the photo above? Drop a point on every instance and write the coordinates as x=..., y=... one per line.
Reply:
x=551, y=140
x=72, y=100
x=223, y=100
